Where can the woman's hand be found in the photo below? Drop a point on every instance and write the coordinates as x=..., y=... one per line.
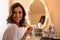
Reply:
x=29, y=30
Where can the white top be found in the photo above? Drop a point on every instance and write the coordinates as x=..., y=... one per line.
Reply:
x=39, y=25
x=13, y=32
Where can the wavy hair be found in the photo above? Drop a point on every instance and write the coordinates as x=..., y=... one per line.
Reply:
x=10, y=17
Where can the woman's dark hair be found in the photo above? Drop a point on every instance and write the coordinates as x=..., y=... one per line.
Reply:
x=42, y=19
x=10, y=18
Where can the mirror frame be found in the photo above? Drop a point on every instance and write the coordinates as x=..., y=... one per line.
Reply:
x=45, y=25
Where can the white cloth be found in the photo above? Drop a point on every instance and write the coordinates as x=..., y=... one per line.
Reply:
x=39, y=25
x=13, y=32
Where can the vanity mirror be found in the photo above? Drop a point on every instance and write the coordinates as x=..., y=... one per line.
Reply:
x=35, y=10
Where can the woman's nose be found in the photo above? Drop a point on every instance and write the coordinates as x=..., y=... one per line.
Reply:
x=17, y=14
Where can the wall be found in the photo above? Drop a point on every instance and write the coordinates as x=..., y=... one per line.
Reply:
x=54, y=8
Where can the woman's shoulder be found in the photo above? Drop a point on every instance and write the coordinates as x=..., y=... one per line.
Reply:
x=10, y=32
x=12, y=26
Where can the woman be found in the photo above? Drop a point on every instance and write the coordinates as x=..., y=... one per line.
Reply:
x=17, y=28
x=41, y=21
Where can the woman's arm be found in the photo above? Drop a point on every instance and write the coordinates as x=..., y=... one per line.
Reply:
x=26, y=33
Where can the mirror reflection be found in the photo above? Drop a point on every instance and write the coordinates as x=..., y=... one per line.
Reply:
x=36, y=11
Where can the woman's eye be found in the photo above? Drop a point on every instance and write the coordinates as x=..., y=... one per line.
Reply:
x=20, y=12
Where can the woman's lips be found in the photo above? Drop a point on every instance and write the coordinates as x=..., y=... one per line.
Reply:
x=17, y=18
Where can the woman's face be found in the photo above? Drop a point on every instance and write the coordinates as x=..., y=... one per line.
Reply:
x=17, y=14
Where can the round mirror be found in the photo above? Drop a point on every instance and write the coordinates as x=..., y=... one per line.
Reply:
x=35, y=12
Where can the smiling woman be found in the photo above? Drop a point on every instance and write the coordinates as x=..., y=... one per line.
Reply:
x=17, y=26
x=17, y=14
